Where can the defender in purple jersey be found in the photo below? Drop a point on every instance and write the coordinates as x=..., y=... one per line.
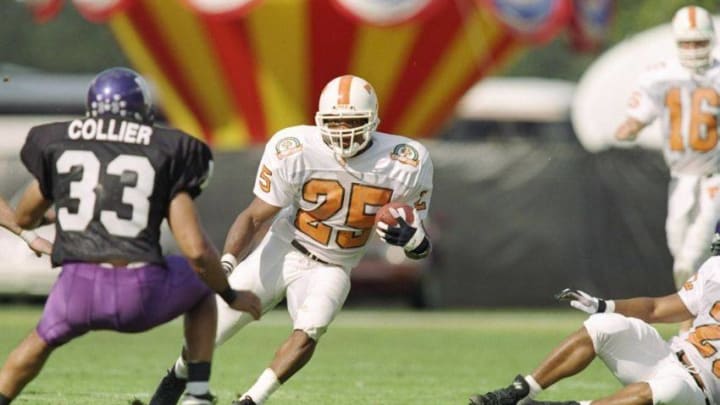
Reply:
x=112, y=178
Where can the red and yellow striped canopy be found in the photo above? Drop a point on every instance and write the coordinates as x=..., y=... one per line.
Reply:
x=240, y=71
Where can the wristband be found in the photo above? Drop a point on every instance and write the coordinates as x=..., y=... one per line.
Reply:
x=228, y=295
x=421, y=251
x=607, y=307
x=416, y=240
x=230, y=258
x=28, y=236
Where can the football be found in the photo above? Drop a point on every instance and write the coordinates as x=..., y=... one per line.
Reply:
x=383, y=214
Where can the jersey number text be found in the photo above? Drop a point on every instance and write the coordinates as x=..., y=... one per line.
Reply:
x=330, y=195
x=703, y=134
x=703, y=336
x=136, y=194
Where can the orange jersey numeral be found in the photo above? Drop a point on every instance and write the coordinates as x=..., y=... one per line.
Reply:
x=265, y=180
x=310, y=222
x=703, y=135
x=703, y=336
x=333, y=195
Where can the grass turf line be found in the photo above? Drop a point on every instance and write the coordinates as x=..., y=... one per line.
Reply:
x=367, y=356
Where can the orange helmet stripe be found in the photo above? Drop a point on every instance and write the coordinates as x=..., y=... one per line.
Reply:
x=344, y=90
x=691, y=14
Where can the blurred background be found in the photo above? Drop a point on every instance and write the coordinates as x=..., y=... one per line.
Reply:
x=515, y=99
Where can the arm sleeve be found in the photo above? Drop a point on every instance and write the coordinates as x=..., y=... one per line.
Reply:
x=642, y=105
x=271, y=183
x=192, y=168
x=692, y=291
x=36, y=162
x=419, y=197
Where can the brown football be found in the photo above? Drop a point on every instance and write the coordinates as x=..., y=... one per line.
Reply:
x=383, y=214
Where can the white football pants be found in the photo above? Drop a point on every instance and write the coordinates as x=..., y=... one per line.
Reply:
x=275, y=270
x=693, y=210
x=635, y=352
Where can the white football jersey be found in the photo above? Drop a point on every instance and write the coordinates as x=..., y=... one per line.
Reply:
x=687, y=104
x=701, y=295
x=330, y=203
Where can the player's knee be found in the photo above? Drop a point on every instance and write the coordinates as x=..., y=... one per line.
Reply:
x=314, y=332
x=603, y=328
x=229, y=322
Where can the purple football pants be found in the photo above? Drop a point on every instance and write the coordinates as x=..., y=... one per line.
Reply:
x=88, y=297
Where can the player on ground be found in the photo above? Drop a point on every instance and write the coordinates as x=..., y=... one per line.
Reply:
x=682, y=371
x=38, y=244
x=113, y=177
x=322, y=184
x=684, y=94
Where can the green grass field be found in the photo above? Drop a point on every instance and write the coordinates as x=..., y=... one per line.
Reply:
x=367, y=357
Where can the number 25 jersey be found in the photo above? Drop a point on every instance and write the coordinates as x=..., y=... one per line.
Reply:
x=112, y=182
x=329, y=202
x=687, y=104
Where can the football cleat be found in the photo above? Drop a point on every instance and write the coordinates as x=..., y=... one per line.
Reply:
x=244, y=401
x=509, y=395
x=204, y=399
x=169, y=391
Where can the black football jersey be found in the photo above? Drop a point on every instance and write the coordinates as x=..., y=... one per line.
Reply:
x=112, y=182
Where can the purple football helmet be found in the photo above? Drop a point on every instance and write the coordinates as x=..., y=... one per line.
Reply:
x=121, y=93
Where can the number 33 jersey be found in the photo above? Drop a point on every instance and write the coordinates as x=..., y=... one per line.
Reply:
x=111, y=182
x=330, y=203
x=687, y=104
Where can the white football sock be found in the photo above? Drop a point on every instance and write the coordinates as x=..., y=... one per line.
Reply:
x=197, y=387
x=181, y=369
x=265, y=385
x=535, y=388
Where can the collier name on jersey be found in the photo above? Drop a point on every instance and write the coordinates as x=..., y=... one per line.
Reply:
x=110, y=130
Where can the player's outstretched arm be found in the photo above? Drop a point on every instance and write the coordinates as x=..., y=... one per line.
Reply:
x=667, y=309
x=241, y=233
x=628, y=130
x=29, y=214
x=203, y=256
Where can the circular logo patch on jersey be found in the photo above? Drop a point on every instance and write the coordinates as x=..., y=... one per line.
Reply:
x=287, y=146
x=405, y=153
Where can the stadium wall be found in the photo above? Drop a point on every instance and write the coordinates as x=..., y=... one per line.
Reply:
x=514, y=219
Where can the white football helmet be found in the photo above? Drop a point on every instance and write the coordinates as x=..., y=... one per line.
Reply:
x=347, y=114
x=694, y=24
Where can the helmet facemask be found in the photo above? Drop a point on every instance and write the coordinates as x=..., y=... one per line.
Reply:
x=695, y=55
x=346, y=133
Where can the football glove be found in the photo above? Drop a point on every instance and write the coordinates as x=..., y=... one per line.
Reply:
x=228, y=263
x=409, y=236
x=585, y=302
